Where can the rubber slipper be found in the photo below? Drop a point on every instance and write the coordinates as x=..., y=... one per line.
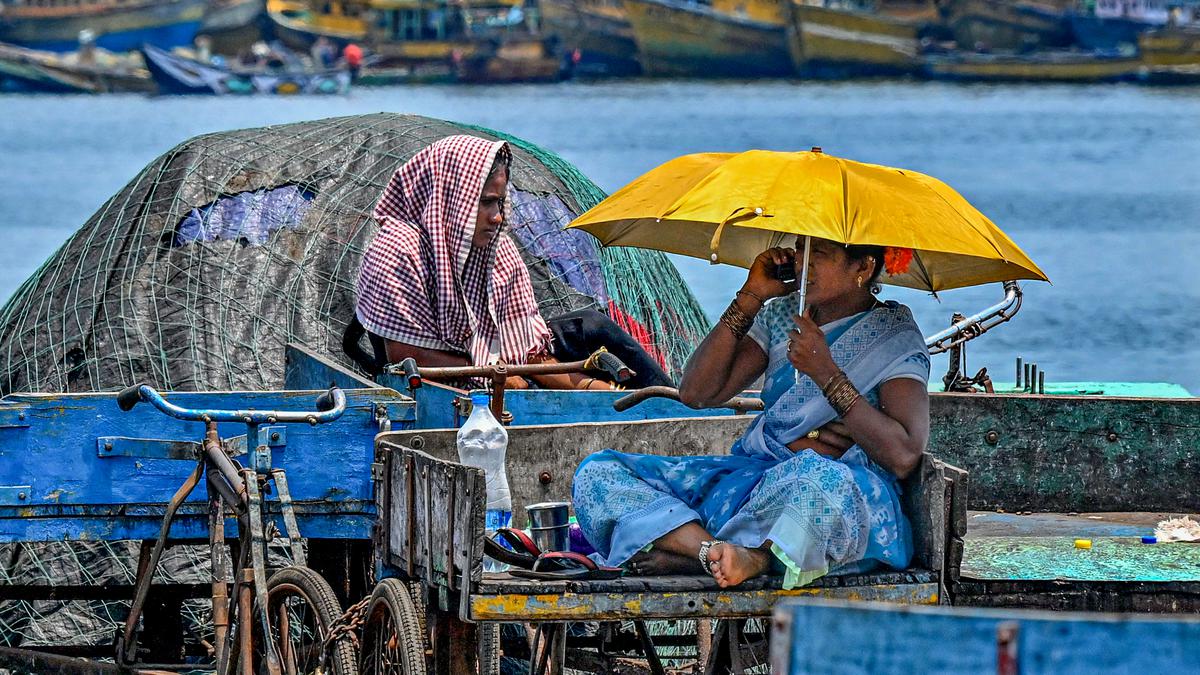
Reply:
x=496, y=550
x=567, y=565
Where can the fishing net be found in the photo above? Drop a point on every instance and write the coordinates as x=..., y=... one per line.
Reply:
x=227, y=247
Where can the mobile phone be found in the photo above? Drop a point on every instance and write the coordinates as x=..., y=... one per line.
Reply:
x=785, y=272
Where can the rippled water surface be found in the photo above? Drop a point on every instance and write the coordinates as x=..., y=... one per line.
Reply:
x=1100, y=185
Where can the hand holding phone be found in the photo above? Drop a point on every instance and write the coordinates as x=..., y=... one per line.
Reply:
x=785, y=272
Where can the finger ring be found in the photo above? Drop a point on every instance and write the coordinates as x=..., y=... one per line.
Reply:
x=815, y=434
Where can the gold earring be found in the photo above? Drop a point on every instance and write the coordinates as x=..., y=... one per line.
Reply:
x=860, y=281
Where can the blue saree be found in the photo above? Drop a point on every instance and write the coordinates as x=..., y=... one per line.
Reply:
x=819, y=513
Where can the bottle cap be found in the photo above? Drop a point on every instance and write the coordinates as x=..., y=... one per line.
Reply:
x=479, y=396
x=1083, y=543
x=1149, y=540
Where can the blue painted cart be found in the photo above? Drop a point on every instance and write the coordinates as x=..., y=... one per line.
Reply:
x=832, y=637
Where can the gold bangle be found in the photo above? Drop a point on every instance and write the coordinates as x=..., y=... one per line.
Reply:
x=737, y=321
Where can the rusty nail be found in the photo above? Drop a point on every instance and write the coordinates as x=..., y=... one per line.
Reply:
x=992, y=437
x=1112, y=437
x=544, y=478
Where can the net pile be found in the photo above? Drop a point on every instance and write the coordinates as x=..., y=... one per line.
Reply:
x=224, y=249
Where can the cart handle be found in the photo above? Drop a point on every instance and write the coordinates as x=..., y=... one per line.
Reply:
x=739, y=404
x=330, y=406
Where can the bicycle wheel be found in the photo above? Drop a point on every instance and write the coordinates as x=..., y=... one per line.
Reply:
x=393, y=643
x=303, y=608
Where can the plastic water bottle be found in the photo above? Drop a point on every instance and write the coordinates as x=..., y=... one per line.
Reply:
x=483, y=442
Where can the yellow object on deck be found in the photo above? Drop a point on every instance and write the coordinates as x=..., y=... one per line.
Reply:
x=728, y=208
x=1084, y=544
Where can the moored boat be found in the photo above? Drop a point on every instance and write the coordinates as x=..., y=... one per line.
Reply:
x=1042, y=67
x=687, y=39
x=118, y=25
x=176, y=74
x=598, y=29
x=827, y=42
x=101, y=71
x=1170, y=47
x=492, y=41
x=298, y=25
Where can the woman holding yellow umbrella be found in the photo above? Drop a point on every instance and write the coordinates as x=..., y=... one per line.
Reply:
x=812, y=486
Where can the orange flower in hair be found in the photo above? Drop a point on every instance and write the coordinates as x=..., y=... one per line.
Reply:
x=896, y=259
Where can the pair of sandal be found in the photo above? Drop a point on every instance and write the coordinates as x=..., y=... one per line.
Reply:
x=526, y=560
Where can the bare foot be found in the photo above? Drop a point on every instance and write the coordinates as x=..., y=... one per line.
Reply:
x=658, y=561
x=731, y=564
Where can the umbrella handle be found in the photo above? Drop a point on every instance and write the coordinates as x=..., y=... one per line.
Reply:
x=804, y=286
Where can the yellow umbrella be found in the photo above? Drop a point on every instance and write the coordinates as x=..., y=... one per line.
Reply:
x=729, y=207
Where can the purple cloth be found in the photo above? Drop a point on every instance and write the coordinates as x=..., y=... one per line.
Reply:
x=249, y=217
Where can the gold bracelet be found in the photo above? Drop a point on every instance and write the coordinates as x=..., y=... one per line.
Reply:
x=752, y=294
x=737, y=321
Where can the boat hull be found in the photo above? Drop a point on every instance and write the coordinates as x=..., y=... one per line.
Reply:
x=299, y=34
x=986, y=68
x=117, y=28
x=1170, y=47
x=829, y=43
x=1099, y=33
x=600, y=32
x=689, y=40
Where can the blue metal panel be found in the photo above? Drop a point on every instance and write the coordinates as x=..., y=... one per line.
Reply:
x=71, y=491
x=839, y=638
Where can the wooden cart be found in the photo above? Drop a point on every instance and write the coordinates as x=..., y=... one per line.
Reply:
x=436, y=602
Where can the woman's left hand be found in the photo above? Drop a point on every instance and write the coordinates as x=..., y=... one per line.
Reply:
x=807, y=350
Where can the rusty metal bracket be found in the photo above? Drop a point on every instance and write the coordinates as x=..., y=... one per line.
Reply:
x=289, y=517
x=146, y=448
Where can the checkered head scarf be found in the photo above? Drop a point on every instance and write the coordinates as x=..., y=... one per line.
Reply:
x=422, y=283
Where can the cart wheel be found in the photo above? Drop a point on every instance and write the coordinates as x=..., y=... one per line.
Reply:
x=393, y=643
x=489, y=649
x=303, y=609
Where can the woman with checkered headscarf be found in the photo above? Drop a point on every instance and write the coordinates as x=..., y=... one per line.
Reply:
x=442, y=283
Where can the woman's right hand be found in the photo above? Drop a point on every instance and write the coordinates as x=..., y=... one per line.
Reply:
x=761, y=280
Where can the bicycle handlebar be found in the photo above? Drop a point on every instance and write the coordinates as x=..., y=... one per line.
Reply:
x=330, y=406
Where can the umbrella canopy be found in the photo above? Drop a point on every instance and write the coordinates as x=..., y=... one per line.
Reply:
x=729, y=207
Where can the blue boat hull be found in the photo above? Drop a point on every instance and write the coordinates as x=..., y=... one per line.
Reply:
x=1106, y=34
x=120, y=29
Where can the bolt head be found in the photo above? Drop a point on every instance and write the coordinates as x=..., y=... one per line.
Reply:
x=275, y=435
x=992, y=437
x=21, y=495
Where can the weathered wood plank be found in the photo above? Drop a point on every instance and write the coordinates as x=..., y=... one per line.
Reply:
x=649, y=605
x=810, y=637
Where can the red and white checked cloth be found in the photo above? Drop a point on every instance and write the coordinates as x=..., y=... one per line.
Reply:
x=421, y=281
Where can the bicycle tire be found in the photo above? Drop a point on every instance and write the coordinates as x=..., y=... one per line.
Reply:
x=392, y=643
x=311, y=587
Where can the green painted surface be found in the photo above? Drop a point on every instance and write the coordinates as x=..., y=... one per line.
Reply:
x=1049, y=558
x=1126, y=389
x=1071, y=453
